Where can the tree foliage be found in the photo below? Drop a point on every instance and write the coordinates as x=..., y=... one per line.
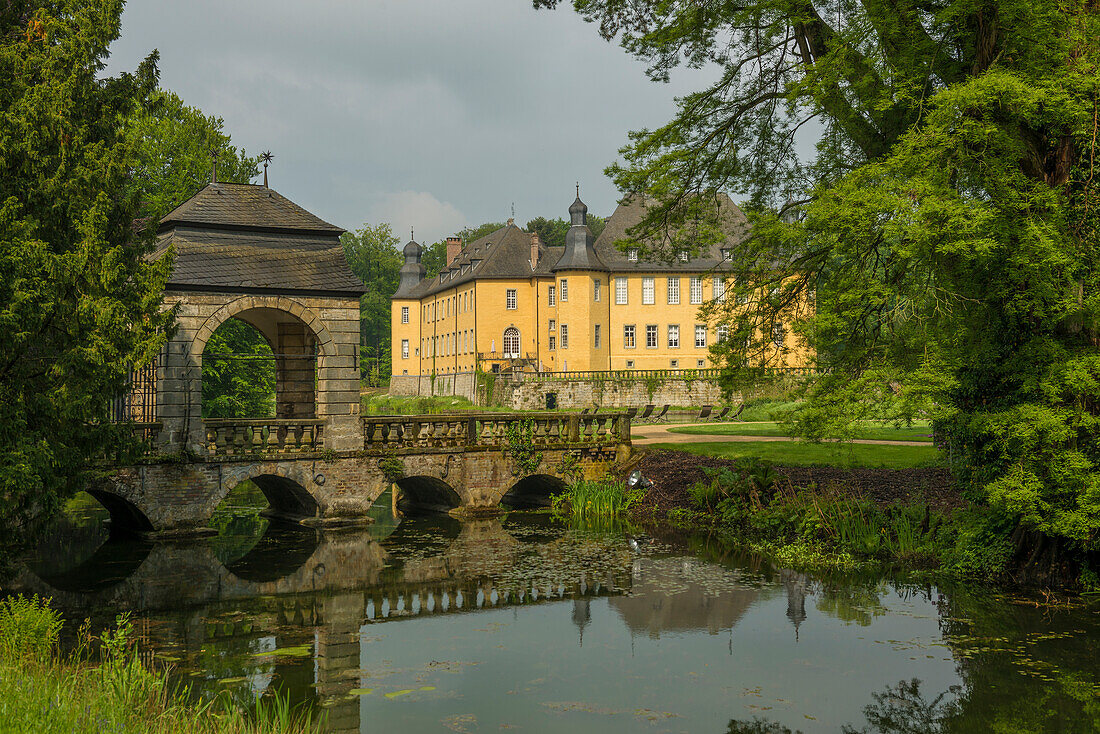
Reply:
x=238, y=373
x=553, y=231
x=945, y=227
x=372, y=254
x=173, y=144
x=79, y=302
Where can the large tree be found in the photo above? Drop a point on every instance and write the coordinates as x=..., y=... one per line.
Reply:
x=175, y=147
x=945, y=227
x=79, y=301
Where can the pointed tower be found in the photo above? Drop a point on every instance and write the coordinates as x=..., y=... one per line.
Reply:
x=584, y=297
x=405, y=319
x=412, y=272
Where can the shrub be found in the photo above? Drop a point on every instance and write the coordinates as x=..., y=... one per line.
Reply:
x=28, y=628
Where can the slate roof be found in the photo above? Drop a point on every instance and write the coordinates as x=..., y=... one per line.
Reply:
x=630, y=212
x=506, y=253
x=240, y=237
x=503, y=254
x=248, y=206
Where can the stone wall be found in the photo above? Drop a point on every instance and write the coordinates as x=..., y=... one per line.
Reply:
x=610, y=393
x=462, y=384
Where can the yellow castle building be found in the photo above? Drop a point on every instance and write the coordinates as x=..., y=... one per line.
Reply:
x=508, y=302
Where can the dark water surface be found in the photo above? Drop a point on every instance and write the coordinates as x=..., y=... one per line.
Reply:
x=520, y=623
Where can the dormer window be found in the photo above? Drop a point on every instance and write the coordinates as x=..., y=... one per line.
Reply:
x=683, y=256
x=632, y=254
x=727, y=254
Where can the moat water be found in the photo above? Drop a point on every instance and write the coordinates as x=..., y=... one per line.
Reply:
x=523, y=623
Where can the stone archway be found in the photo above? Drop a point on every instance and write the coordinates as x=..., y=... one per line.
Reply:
x=299, y=340
x=315, y=341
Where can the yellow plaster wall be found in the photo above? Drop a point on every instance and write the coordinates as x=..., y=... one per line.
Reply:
x=438, y=324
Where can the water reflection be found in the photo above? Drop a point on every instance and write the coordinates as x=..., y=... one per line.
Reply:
x=432, y=624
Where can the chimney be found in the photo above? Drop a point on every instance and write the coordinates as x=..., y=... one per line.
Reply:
x=454, y=246
x=535, y=242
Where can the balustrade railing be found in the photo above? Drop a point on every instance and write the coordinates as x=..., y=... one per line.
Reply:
x=492, y=429
x=243, y=437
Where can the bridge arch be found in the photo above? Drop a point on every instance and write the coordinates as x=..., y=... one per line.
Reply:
x=421, y=494
x=534, y=490
x=286, y=497
x=126, y=517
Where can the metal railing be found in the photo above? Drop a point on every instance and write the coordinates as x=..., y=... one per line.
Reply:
x=491, y=430
x=245, y=437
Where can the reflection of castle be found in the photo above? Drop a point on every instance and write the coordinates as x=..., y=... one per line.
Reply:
x=676, y=594
x=796, y=585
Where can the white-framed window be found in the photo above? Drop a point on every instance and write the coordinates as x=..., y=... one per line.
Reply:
x=674, y=291
x=620, y=291
x=700, y=363
x=700, y=336
x=511, y=343
x=564, y=290
x=628, y=336
x=673, y=336
x=630, y=364
x=596, y=290
x=510, y=299
x=404, y=314
x=404, y=349
x=565, y=336
x=719, y=287
x=553, y=341
x=683, y=256
x=647, y=291
x=651, y=336
x=778, y=335
x=723, y=332
x=632, y=254
x=696, y=288
x=551, y=296
x=727, y=253
x=596, y=335
x=553, y=324
x=674, y=363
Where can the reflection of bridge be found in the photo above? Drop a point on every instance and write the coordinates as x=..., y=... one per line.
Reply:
x=246, y=253
x=330, y=585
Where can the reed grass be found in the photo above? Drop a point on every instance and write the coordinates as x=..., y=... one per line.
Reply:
x=588, y=500
x=108, y=685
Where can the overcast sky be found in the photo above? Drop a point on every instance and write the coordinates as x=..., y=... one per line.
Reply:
x=428, y=113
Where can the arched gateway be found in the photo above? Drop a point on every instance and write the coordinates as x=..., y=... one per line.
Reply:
x=246, y=252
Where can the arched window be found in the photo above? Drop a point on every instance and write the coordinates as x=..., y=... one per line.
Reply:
x=511, y=343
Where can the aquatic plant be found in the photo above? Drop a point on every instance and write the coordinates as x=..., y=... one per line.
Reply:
x=587, y=499
x=121, y=691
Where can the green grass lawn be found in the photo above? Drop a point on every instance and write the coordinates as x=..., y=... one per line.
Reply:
x=919, y=431
x=798, y=453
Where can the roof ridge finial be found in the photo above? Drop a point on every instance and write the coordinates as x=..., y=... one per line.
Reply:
x=214, y=155
x=266, y=157
x=578, y=189
x=412, y=234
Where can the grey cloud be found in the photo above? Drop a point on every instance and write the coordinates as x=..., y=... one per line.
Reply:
x=473, y=103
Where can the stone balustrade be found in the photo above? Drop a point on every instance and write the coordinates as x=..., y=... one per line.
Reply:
x=248, y=437
x=490, y=430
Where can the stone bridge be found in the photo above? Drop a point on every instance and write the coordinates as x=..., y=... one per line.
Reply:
x=248, y=255
x=464, y=464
